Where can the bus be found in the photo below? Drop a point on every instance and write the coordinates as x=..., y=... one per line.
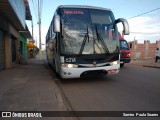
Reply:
x=78, y=43
x=125, y=56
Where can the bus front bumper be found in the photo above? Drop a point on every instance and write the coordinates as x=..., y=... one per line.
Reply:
x=88, y=72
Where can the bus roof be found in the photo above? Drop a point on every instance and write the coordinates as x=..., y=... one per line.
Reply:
x=83, y=6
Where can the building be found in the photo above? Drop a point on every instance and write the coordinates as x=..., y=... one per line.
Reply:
x=13, y=31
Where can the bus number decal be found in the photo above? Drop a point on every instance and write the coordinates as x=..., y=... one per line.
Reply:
x=70, y=60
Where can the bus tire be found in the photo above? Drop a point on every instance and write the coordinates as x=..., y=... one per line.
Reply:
x=54, y=65
x=54, y=68
x=121, y=65
x=48, y=62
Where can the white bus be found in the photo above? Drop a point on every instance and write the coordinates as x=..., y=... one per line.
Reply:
x=83, y=41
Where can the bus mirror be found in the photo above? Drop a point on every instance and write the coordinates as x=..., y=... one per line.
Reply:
x=125, y=25
x=56, y=23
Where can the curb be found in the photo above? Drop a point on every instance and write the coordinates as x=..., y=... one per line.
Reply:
x=151, y=66
x=145, y=65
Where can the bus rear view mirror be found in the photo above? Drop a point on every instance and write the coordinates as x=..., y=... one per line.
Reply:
x=125, y=25
x=56, y=23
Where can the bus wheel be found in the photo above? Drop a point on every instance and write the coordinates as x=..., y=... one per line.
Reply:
x=54, y=66
x=121, y=65
x=48, y=62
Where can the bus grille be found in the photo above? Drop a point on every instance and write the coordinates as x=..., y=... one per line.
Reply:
x=92, y=73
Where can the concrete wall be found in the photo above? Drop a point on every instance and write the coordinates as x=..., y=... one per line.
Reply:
x=8, y=30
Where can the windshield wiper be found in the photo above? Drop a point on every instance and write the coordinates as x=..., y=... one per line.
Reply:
x=84, y=41
x=99, y=37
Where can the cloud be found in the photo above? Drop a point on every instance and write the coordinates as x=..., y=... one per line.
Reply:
x=143, y=28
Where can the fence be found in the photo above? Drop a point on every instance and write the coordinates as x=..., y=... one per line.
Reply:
x=144, y=50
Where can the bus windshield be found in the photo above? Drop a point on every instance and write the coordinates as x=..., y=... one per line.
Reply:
x=88, y=31
x=124, y=45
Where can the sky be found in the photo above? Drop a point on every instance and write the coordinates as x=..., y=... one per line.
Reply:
x=143, y=27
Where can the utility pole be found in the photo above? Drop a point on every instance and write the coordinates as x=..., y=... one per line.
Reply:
x=39, y=23
x=135, y=57
x=32, y=31
x=36, y=41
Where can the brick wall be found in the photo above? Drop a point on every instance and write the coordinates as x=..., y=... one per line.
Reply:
x=144, y=50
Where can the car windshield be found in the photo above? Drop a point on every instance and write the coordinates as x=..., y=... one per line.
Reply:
x=87, y=31
x=124, y=45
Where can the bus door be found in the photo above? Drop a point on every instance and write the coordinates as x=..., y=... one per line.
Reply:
x=57, y=59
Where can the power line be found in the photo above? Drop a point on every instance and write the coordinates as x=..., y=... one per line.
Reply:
x=150, y=20
x=148, y=23
x=145, y=33
x=144, y=13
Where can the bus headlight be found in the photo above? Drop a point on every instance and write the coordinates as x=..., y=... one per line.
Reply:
x=69, y=65
x=114, y=62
